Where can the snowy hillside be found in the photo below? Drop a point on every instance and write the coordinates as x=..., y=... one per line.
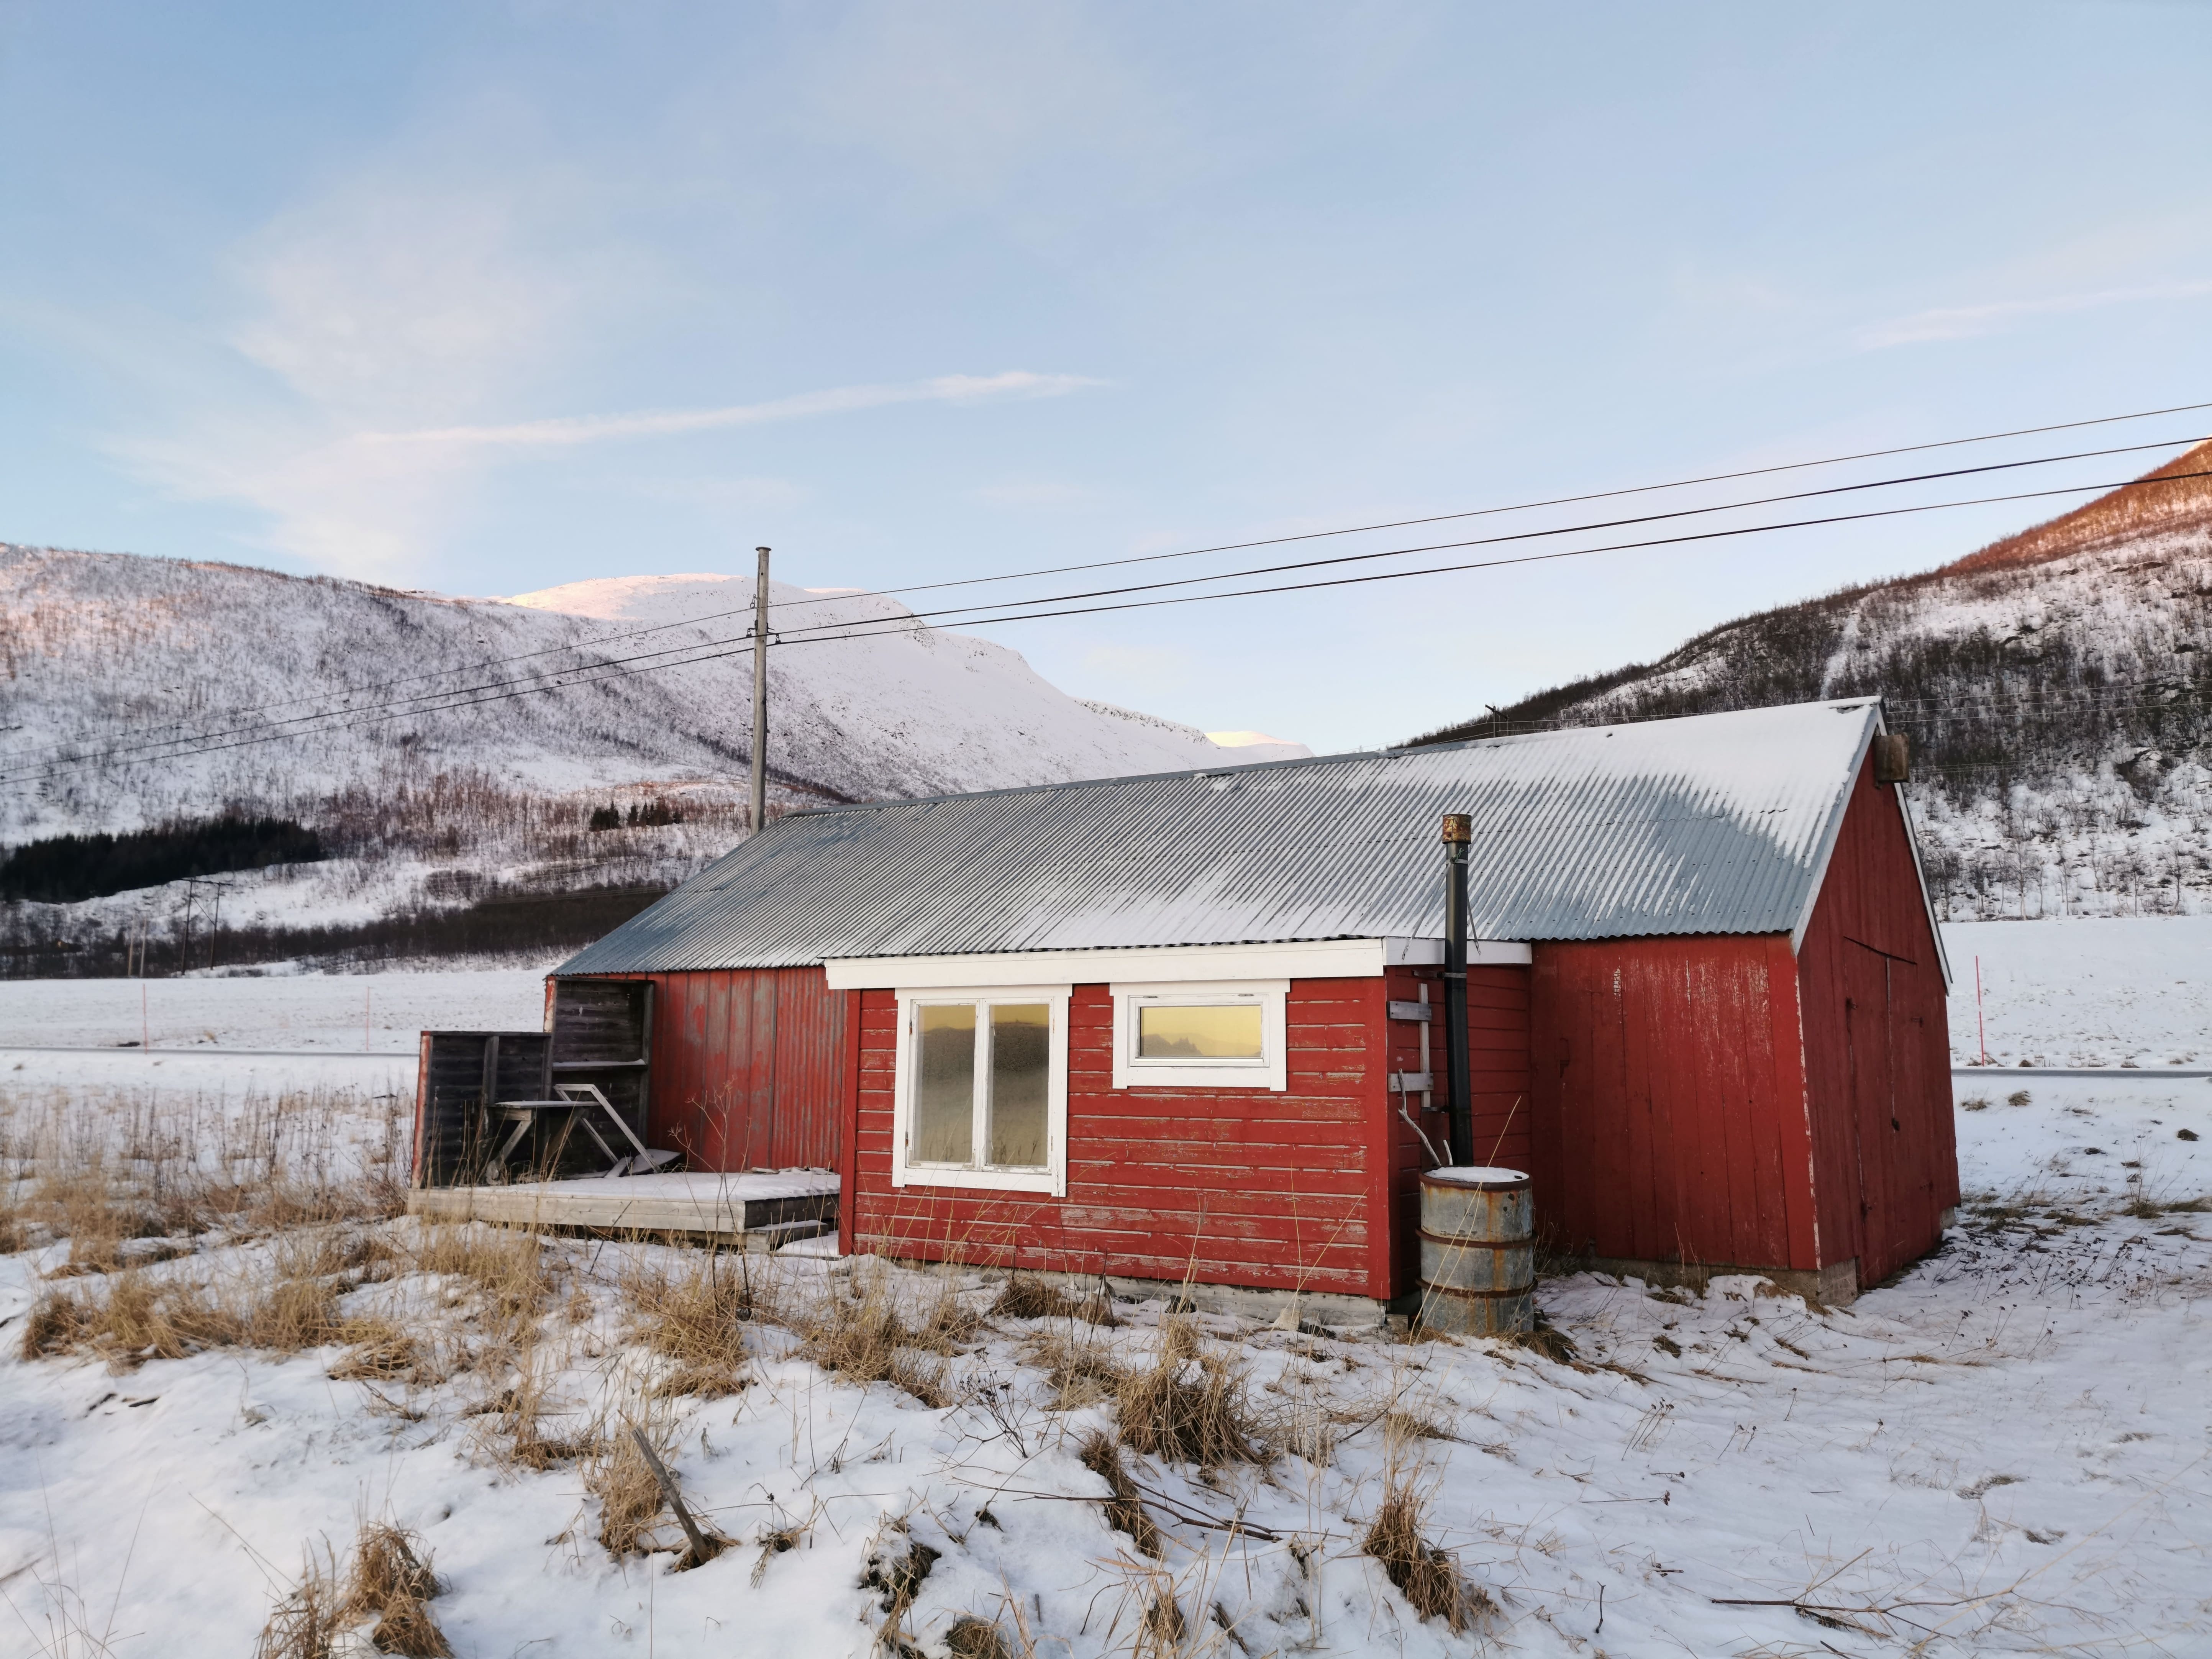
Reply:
x=449, y=749
x=2057, y=687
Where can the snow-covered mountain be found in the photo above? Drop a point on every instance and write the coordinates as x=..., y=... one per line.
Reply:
x=2057, y=687
x=451, y=747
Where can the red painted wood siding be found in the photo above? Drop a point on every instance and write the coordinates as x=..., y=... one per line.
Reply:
x=1670, y=1103
x=748, y=1067
x=1878, y=1048
x=1498, y=1067
x=1234, y=1186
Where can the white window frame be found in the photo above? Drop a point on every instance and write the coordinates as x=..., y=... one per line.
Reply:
x=1270, y=1071
x=1053, y=1177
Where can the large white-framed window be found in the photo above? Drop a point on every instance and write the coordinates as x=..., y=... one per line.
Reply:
x=980, y=1097
x=1221, y=1033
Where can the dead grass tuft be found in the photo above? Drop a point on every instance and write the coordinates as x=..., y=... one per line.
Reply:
x=1077, y=1368
x=388, y=1580
x=897, y=1575
x=1125, y=1505
x=1024, y=1297
x=972, y=1637
x=1402, y=1423
x=309, y=1618
x=1188, y=1406
x=521, y=1413
x=1160, y=1633
x=382, y=1353
x=132, y=1316
x=630, y=1499
x=695, y=1312
x=510, y=1265
x=1428, y=1577
x=862, y=1337
x=393, y=1584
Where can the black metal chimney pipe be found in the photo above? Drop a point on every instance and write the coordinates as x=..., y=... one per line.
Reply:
x=1459, y=830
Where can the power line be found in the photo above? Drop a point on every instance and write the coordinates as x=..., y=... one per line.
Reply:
x=598, y=674
x=1352, y=529
x=430, y=699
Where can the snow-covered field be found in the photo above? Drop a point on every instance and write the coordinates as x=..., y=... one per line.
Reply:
x=351, y=1013
x=2007, y=1450
x=2108, y=992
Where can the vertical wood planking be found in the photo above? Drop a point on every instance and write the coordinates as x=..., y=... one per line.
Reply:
x=1870, y=907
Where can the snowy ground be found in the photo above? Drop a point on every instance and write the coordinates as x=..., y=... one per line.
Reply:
x=2084, y=993
x=2009, y=1449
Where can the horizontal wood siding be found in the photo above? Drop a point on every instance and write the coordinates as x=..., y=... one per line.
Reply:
x=1669, y=1119
x=1234, y=1186
x=1498, y=1067
x=1878, y=1048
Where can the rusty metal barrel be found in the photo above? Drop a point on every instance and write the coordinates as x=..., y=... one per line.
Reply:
x=1478, y=1252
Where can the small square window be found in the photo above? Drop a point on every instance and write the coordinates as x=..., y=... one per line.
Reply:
x=1228, y=1035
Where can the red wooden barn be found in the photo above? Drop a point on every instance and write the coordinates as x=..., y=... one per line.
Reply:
x=1176, y=1026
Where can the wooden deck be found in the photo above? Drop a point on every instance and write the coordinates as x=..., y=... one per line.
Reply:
x=760, y=1210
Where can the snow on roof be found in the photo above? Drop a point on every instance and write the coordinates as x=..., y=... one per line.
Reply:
x=1715, y=823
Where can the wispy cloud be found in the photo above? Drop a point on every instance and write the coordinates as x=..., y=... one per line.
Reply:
x=661, y=423
x=1967, y=322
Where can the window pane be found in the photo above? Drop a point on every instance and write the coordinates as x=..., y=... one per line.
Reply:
x=1021, y=1059
x=945, y=1085
x=1226, y=1033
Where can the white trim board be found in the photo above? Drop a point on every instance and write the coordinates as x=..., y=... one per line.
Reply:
x=1188, y=964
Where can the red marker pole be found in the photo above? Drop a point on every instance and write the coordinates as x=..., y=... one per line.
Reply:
x=1981, y=1030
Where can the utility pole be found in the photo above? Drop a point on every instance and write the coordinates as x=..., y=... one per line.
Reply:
x=760, y=696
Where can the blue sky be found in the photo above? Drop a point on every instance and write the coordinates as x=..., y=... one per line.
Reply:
x=485, y=298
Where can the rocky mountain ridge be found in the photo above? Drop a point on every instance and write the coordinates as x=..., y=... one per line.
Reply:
x=2056, y=686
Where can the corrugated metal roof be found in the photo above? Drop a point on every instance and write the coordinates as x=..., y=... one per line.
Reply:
x=1718, y=824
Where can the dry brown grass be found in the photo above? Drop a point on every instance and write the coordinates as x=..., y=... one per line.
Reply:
x=1428, y=1577
x=694, y=1313
x=630, y=1499
x=511, y=1267
x=1080, y=1368
x=1027, y=1298
x=1404, y=1423
x=896, y=1574
x=518, y=1418
x=972, y=1638
x=388, y=1580
x=382, y=1353
x=131, y=1317
x=1190, y=1405
x=309, y=1617
x=864, y=1335
x=110, y=1170
x=1125, y=1505
x=391, y=1583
